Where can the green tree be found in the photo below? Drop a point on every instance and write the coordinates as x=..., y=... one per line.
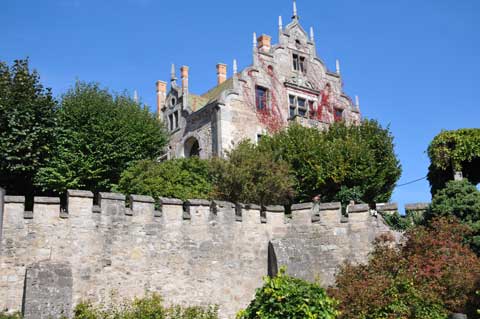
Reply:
x=462, y=200
x=344, y=163
x=249, y=175
x=100, y=134
x=451, y=151
x=287, y=297
x=185, y=178
x=27, y=126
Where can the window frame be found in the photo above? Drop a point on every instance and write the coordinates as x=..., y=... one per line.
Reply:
x=265, y=98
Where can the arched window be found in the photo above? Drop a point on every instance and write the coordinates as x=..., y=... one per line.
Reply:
x=191, y=147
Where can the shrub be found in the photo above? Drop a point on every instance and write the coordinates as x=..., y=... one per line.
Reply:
x=287, y=297
x=186, y=178
x=10, y=316
x=432, y=274
x=150, y=307
x=99, y=136
x=249, y=175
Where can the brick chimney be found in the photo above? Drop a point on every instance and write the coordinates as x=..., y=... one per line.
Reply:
x=184, y=74
x=161, y=94
x=221, y=73
x=264, y=43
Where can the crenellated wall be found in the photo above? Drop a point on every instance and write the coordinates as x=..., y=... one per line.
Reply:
x=194, y=252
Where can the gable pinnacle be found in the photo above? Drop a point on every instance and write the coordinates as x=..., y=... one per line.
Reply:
x=312, y=35
x=173, y=76
x=235, y=67
x=280, y=23
x=295, y=15
x=254, y=40
x=338, y=66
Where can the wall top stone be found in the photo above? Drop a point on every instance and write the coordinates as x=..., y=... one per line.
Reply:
x=359, y=208
x=302, y=206
x=275, y=209
x=417, y=206
x=197, y=202
x=170, y=201
x=112, y=196
x=222, y=204
x=387, y=207
x=14, y=199
x=142, y=199
x=79, y=193
x=330, y=206
x=46, y=200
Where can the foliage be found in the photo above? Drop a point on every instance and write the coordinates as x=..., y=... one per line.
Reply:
x=249, y=175
x=10, y=316
x=432, y=274
x=397, y=222
x=359, y=158
x=287, y=297
x=462, y=200
x=27, y=126
x=457, y=150
x=184, y=178
x=100, y=134
x=150, y=307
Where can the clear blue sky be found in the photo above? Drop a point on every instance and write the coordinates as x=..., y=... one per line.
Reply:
x=414, y=64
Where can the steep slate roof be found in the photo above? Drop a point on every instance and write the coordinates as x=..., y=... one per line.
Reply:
x=196, y=102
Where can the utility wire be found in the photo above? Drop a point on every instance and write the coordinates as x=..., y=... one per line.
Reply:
x=411, y=182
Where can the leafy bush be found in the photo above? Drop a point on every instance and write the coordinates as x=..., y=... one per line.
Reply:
x=185, y=178
x=249, y=175
x=27, y=126
x=397, y=222
x=99, y=136
x=150, y=307
x=462, y=200
x=287, y=297
x=432, y=274
x=356, y=161
x=450, y=151
x=10, y=316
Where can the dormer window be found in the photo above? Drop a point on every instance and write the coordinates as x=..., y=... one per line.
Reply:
x=299, y=63
x=261, y=98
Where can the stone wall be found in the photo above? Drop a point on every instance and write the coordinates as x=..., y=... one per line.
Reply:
x=197, y=252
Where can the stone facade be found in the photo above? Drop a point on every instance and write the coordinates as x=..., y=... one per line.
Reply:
x=197, y=252
x=287, y=82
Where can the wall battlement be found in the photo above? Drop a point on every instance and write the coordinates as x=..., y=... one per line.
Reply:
x=192, y=252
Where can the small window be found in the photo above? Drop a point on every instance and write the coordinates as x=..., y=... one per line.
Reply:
x=302, y=107
x=311, y=109
x=261, y=98
x=302, y=65
x=296, y=62
x=299, y=63
x=293, y=105
x=338, y=115
x=170, y=122
x=175, y=115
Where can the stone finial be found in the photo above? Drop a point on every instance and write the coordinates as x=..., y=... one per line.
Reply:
x=135, y=96
x=280, y=23
x=337, y=64
x=295, y=14
x=357, y=101
x=254, y=40
x=312, y=35
x=235, y=66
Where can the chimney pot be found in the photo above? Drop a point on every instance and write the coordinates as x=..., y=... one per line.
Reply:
x=161, y=95
x=184, y=73
x=264, y=43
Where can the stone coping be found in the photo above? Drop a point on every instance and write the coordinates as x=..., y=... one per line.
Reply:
x=14, y=199
x=417, y=206
x=197, y=202
x=46, y=200
x=112, y=196
x=223, y=204
x=79, y=193
x=142, y=199
x=275, y=209
x=330, y=206
x=359, y=208
x=170, y=201
x=387, y=207
x=302, y=206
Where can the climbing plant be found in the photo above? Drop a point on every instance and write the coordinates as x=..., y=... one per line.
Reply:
x=451, y=151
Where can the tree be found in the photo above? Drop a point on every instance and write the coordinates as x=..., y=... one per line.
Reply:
x=344, y=163
x=185, y=178
x=27, y=126
x=287, y=297
x=99, y=136
x=249, y=175
x=462, y=200
x=451, y=151
x=429, y=276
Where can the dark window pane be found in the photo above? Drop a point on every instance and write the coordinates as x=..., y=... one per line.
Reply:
x=301, y=102
x=338, y=115
x=261, y=97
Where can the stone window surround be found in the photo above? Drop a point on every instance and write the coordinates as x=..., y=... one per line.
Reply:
x=310, y=100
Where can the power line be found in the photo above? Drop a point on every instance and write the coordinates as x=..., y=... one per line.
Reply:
x=411, y=182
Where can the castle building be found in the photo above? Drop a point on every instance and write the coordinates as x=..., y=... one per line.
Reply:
x=287, y=82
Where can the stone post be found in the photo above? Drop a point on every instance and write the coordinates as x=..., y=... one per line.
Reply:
x=302, y=214
x=172, y=210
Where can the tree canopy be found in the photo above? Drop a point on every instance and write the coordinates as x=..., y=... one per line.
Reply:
x=27, y=126
x=99, y=135
x=342, y=163
x=185, y=178
x=451, y=151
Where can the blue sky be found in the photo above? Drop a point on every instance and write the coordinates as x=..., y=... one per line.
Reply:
x=413, y=63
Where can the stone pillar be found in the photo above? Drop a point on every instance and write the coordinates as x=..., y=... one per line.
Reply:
x=302, y=214
x=330, y=213
x=172, y=210
x=198, y=210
